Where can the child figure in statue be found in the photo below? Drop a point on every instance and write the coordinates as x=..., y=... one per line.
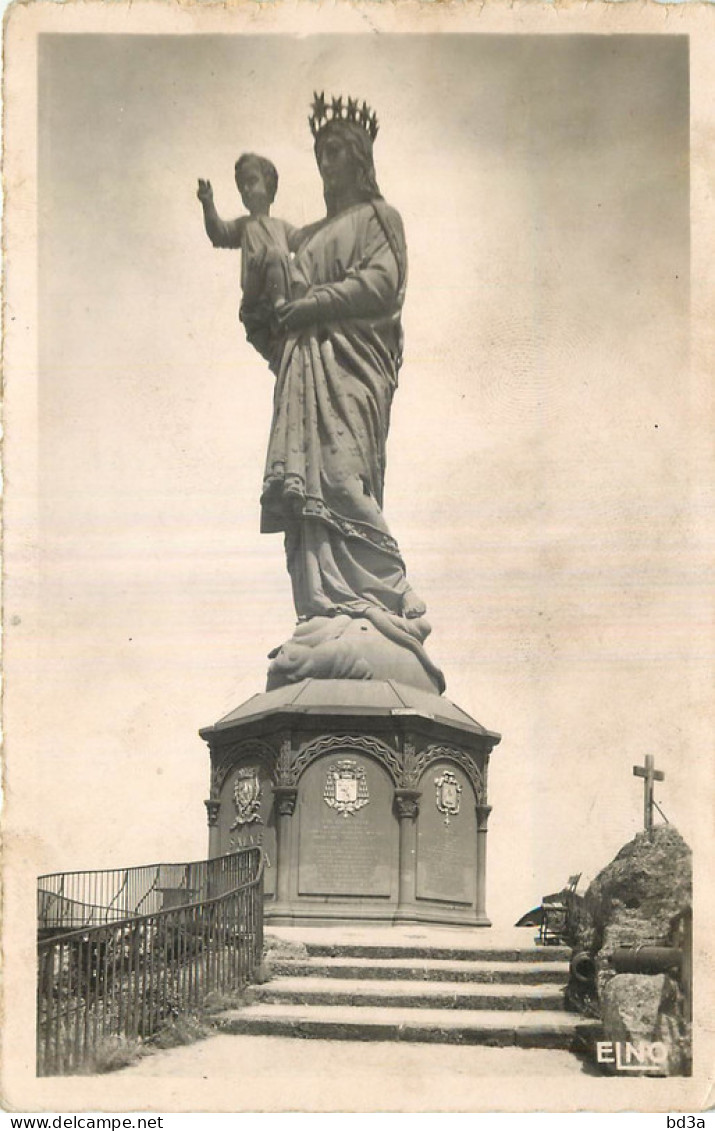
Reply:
x=268, y=279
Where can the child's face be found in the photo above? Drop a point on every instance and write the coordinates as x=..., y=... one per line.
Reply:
x=252, y=186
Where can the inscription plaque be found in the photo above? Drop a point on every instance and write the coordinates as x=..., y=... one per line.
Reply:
x=447, y=853
x=356, y=856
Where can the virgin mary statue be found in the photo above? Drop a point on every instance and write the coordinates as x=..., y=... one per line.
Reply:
x=337, y=358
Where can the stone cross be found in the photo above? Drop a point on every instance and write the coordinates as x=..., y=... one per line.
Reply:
x=650, y=774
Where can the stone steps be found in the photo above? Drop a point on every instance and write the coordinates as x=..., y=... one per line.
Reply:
x=526, y=1029
x=474, y=953
x=425, y=969
x=298, y=990
x=477, y=991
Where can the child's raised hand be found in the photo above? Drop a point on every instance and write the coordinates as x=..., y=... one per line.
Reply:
x=204, y=192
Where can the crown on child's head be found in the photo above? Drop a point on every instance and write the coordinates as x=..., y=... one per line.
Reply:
x=341, y=111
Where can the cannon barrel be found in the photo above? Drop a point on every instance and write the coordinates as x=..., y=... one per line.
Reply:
x=645, y=959
x=583, y=968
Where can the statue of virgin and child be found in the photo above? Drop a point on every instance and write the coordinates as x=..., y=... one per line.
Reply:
x=322, y=305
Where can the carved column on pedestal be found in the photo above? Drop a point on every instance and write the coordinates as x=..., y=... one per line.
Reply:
x=407, y=803
x=483, y=812
x=213, y=805
x=284, y=798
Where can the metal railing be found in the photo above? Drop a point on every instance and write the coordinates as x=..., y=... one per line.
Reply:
x=129, y=977
x=69, y=900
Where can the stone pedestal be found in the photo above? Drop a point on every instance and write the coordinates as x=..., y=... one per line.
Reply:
x=368, y=796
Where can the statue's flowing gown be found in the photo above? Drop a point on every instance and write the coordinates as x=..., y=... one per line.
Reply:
x=334, y=386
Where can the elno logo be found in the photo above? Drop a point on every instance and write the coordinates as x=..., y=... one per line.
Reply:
x=633, y=1056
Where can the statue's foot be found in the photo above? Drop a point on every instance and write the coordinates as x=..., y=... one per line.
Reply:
x=413, y=605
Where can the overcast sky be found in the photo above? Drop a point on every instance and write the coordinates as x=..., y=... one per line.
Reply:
x=539, y=478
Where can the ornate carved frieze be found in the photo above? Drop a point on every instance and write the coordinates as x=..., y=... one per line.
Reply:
x=226, y=758
x=410, y=766
x=485, y=781
x=287, y=765
x=415, y=765
x=329, y=743
x=284, y=764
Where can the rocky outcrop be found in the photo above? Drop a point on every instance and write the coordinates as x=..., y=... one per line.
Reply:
x=635, y=898
x=647, y=1008
x=633, y=903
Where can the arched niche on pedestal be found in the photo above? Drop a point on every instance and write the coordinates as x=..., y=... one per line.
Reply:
x=345, y=829
x=446, y=871
x=246, y=815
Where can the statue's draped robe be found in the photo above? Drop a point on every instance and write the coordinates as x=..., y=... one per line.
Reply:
x=334, y=386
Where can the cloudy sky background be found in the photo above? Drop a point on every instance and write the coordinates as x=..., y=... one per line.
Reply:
x=539, y=467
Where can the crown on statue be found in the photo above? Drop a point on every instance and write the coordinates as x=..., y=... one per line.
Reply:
x=339, y=110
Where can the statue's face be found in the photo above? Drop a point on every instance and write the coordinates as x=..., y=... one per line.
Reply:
x=252, y=186
x=336, y=165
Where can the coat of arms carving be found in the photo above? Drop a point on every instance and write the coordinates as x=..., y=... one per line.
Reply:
x=246, y=796
x=346, y=787
x=448, y=794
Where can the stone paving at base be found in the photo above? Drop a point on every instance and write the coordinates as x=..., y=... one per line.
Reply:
x=285, y=1074
x=278, y=1073
x=408, y=934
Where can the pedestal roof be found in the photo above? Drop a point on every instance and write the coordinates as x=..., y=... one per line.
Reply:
x=351, y=697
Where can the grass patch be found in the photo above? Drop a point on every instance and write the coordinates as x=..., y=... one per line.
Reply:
x=219, y=1003
x=183, y=1030
x=114, y=1053
x=111, y=1054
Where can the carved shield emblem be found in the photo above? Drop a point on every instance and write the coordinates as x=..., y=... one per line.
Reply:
x=448, y=794
x=246, y=796
x=346, y=787
x=346, y=791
